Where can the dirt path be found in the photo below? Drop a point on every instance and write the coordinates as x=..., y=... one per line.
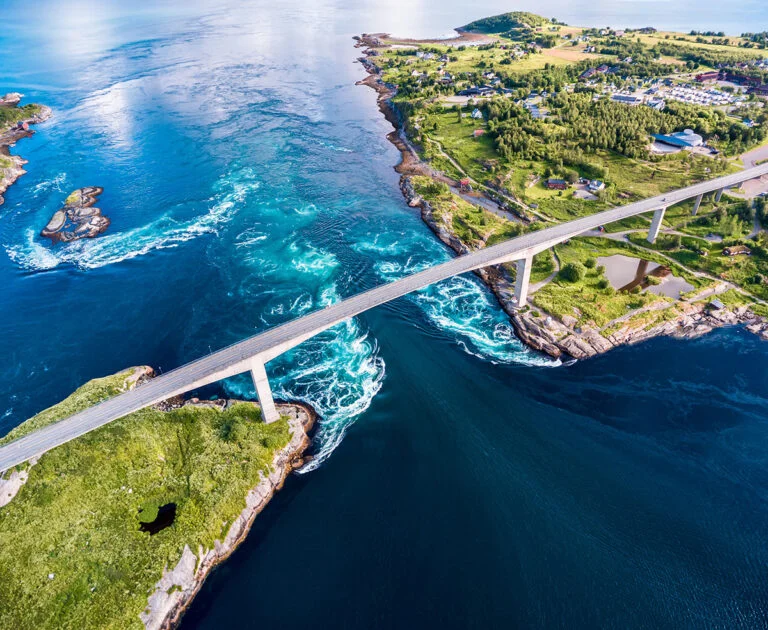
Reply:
x=480, y=186
x=535, y=287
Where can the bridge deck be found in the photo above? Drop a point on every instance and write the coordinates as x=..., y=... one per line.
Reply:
x=236, y=358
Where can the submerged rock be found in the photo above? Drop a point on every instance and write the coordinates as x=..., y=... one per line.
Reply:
x=78, y=218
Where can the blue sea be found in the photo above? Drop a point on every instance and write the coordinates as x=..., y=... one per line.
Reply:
x=460, y=479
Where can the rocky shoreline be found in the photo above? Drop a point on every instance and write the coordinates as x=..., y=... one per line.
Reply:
x=12, y=166
x=176, y=589
x=540, y=331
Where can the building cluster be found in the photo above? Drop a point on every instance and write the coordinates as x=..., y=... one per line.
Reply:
x=698, y=96
x=752, y=84
x=492, y=86
x=594, y=185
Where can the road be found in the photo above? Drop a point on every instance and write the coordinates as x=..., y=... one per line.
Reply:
x=237, y=358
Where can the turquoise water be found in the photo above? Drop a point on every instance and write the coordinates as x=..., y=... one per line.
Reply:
x=460, y=479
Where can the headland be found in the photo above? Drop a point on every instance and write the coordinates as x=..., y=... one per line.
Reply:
x=521, y=122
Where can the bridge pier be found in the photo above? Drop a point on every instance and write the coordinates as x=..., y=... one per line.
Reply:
x=263, y=391
x=696, y=204
x=658, y=217
x=522, y=280
x=719, y=194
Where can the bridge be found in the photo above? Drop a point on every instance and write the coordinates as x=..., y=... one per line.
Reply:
x=252, y=354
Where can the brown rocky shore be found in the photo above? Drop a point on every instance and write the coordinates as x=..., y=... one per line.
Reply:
x=560, y=339
x=12, y=166
x=564, y=339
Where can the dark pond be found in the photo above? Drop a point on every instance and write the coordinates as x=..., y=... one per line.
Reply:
x=166, y=514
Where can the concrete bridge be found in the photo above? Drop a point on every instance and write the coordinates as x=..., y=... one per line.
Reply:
x=252, y=354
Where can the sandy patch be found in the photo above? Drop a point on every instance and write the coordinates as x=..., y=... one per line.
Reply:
x=569, y=54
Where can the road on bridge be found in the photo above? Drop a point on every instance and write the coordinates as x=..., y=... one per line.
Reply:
x=238, y=358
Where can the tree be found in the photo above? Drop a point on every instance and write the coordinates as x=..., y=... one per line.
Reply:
x=573, y=272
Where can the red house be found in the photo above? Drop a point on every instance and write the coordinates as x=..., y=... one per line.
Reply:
x=556, y=184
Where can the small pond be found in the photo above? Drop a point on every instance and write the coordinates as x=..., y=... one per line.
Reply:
x=625, y=273
x=155, y=519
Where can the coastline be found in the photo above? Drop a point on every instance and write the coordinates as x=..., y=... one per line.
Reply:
x=543, y=333
x=162, y=605
x=177, y=588
x=9, y=137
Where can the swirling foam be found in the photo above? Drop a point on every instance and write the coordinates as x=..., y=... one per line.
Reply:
x=56, y=183
x=338, y=373
x=459, y=305
x=163, y=233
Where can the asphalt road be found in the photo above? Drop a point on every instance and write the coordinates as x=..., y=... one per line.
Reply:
x=236, y=358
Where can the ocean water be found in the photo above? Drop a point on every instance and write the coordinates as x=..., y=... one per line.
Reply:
x=460, y=479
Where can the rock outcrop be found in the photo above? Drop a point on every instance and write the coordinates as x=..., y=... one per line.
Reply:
x=78, y=218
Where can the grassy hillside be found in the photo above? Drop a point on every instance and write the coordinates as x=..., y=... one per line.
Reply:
x=77, y=518
x=507, y=22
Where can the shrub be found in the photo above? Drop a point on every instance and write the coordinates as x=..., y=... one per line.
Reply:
x=573, y=272
x=590, y=263
x=603, y=283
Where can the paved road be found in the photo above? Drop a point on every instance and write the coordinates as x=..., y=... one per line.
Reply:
x=236, y=358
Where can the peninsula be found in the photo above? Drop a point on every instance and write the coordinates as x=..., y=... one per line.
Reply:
x=521, y=122
x=125, y=523
x=14, y=125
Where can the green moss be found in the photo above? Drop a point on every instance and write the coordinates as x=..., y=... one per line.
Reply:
x=77, y=516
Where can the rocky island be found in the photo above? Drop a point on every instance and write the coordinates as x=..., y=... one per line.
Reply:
x=78, y=218
x=521, y=122
x=14, y=125
x=126, y=522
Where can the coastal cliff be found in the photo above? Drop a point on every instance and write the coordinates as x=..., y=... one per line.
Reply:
x=125, y=523
x=563, y=336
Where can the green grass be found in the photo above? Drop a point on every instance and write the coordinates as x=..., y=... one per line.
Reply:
x=9, y=116
x=474, y=226
x=543, y=265
x=585, y=300
x=76, y=517
x=645, y=320
x=457, y=141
